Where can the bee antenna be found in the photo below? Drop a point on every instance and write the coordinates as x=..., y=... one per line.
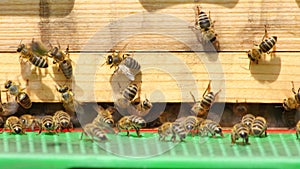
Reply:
x=21, y=42
x=277, y=107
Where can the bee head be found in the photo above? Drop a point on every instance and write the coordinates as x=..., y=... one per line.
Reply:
x=63, y=89
x=243, y=135
x=54, y=51
x=297, y=97
x=189, y=127
x=147, y=104
x=48, y=125
x=109, y=60
x=8, y=84
x=64, y=124
x=20, y=47
x=23, y=121
x=218, y=130
x=275, y=38
x=17, y=130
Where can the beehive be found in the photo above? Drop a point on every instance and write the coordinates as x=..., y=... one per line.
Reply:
x=158, y=33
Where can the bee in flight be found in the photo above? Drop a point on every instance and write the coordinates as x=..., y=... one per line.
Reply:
x=94, y=131
x=142, y=108
x=20, y=97
x=48, y=123
x=131, y=122
x=63, y=60
x=29, y=121
x=201, y=108
x=240, y=130
x=259, y=126
x=33, y=54
x=206, y=26
x=63, y=120
x=298, y=129
x=14, y=124
x=127, y=96
x=264, y=47
x=123, y=62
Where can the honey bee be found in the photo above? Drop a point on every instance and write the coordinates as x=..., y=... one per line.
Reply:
x=48, y=123
x=104, y=118
x=94, y=131
x=131, y=122
x=259, y=126
x=292, y=102
x=201, y=108
x=14, y=124
x=127, y=96
x=63, y=120
x=165, y=130
x=9, y=107
x=240, y=109
x=21, y=97
x=206, y=26
x=298, y=129
x=265, y=46
x=124, y=63
x=67, y=99
x=28, y=121
x=179, y=130
x=240, y=130
x=63, y=60
x=212, y=127
x=39, y=48
x=190, y=123
x=142, y=108
x=40, y=61
x=248, y=120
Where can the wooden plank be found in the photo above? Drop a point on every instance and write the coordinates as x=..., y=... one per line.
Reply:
x=165, y=77
x=238, y=23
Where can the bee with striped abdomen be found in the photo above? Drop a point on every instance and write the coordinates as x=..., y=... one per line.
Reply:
x=190, y=123
x=28, y=54
x=240, y=130
x=63, y=60
x=165, y=130
x=248, y=120
x=179, y=129
x=212, y=127
x=293, y=102
x=259, y=126
x=201, y=108
x=141, y=109
x=48, y=123
x=63, y=120
x=14, y=124
x=21, y=97
x=94, y=131
x=298, y=129
x=127, y=96
x=206, y=26
x=264, y=47
x=29, y=121
x=67, y=99
x=122, y=62
x=131, y=122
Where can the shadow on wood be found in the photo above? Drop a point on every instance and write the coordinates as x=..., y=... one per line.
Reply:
x=153, y=5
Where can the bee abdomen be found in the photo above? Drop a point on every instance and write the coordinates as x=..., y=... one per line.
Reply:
x=136, y=120
x=132, y=63
x=208, y=100
x=94, y=131
x=39, y=61
x=24, y=100
x=66, y=68
x=130, y=92
x=203, y=20
x=248, y=119
x=268, y=44
x=259, y=126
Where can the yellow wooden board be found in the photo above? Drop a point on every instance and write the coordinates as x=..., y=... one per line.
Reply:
x=165, y=77
x=238, y=23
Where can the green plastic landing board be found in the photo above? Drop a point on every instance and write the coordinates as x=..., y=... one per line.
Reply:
x=66, y=150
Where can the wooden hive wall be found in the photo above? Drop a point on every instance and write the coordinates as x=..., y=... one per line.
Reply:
x=74, y=23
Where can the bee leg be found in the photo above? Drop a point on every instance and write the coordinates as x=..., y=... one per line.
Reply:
x=81, y=136
x=247, y=140
x=266, y=33
x=293, y=88
x=138, y=132
x=232, y=139
x=266, y=133
x=297, y=135
x=128, y=133
x=213, y=135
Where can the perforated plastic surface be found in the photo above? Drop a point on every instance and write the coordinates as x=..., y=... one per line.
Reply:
x=66, y=150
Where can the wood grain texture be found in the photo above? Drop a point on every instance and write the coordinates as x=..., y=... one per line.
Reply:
x=238, y=23
x=165, y=77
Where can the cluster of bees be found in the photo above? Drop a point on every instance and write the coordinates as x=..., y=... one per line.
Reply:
x=59, y=121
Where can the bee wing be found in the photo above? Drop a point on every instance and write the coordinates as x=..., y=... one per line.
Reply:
x=38, y=48
x=127, y=72
x=10, y=108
